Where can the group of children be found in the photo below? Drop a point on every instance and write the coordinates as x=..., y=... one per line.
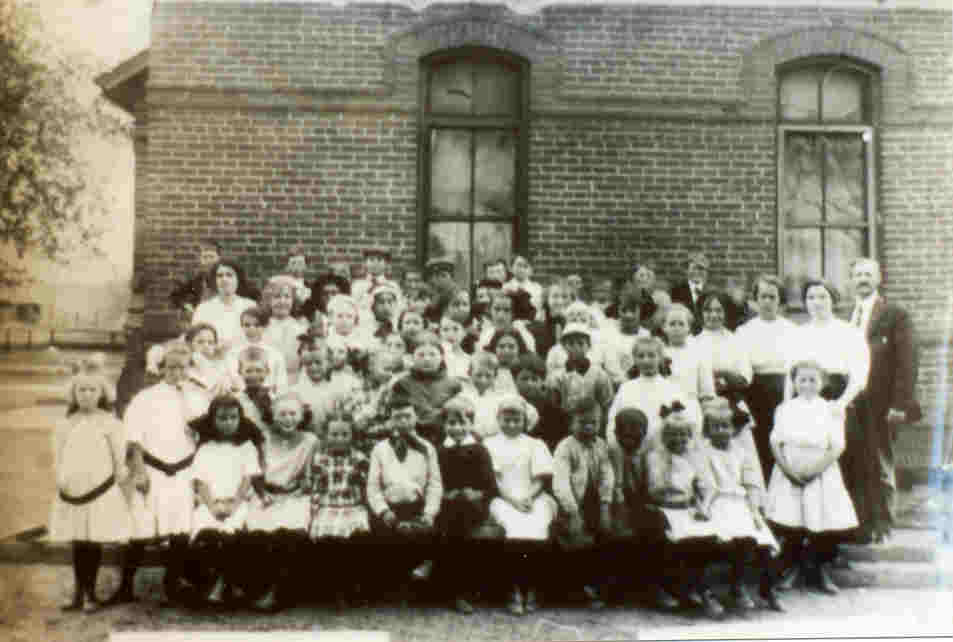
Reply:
x=401, y=434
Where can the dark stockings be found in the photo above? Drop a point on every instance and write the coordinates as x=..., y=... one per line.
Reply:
x=87, y=557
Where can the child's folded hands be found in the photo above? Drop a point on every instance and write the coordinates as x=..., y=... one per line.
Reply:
x=473, y=494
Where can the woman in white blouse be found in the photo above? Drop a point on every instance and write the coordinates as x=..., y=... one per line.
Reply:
x=730, y=364
x=224, y=310
x=836, y=345
x=767, y=340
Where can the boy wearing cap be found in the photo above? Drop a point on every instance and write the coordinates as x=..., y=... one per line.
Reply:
x=582, y=379
x=385, y=300
x=440, y=273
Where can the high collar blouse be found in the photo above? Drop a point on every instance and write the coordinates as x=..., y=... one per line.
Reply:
x=727, y=353
x=767, y=343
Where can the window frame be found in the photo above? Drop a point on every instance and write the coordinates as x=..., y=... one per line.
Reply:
x=428, y=122
x=868, y=132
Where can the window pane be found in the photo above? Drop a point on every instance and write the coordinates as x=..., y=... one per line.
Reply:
x=841, y=247
x=478, y=89
x=496, y=92
x=491, y=241
x=451, y=89
x=449, y=172
x=451, y=240
x=801, y=184
x=843, y=96
x=844, y=175
x=799, y=95
x=802, y=260
x=495, y=174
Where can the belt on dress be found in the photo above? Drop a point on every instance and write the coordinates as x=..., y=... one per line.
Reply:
x=275, y=489
x=92, y=495
x=168, y=469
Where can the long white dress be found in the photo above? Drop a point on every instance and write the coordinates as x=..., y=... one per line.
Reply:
x=87, y=451
x=222, y=466
x=805, y=430
x=156, y=419
x=287, y=469
x=516, y=462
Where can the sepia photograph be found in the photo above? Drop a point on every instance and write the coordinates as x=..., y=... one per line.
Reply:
x=475, y=320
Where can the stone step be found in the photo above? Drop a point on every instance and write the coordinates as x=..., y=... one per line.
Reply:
x=912, y=560
x=895, y=575
x=905, y=545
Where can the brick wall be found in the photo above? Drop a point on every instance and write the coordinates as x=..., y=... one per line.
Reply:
x=651, y=135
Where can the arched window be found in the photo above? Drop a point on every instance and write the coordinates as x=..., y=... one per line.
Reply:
x=472, y=196
x=826, y=192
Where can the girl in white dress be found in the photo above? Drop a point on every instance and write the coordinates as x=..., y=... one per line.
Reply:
x=690, y=366
x=283, y=329
x=648, y=390
x=280, y=514
x=678, y=495
x=226, y=461
x=161, y=448
x=807, y=496
x=736, y=499
x=523, y=466
x=89, y=509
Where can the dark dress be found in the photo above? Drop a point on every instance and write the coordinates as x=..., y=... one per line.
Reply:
x=465, y=466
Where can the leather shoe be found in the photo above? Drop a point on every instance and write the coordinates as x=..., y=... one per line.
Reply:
x=712, y=606
x=789, y=579
x=665, y=600
x=742, y=598
x=827, y=584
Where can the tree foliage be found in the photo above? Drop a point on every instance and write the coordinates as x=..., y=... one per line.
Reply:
x=49, y=201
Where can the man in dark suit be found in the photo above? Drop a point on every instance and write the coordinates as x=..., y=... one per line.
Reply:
x=692, y=289
x=887, y=402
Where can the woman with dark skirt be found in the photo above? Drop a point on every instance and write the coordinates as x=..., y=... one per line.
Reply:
x=767, y=339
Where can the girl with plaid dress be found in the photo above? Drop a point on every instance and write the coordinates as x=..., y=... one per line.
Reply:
x=340, y=522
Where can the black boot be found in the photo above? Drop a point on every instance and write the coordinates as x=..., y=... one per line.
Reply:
x=132, y=558
x=79, y=573
x=826, y=582
x=175, y=561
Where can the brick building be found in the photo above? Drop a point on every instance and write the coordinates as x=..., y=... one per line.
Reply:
x=775, y=136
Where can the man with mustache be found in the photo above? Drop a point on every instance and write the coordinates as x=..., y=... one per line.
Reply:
x=868, y=462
